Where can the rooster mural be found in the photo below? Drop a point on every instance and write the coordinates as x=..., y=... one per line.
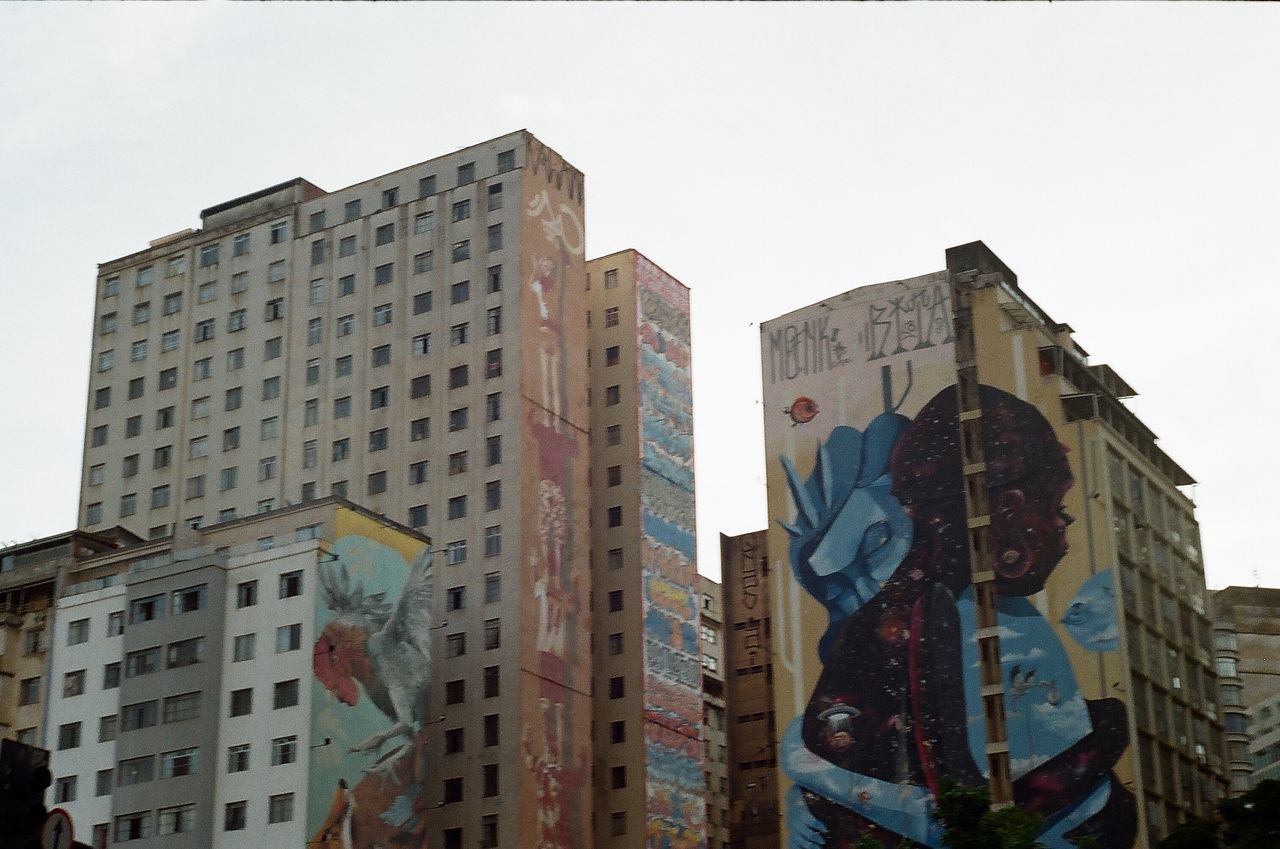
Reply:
x=371, y=652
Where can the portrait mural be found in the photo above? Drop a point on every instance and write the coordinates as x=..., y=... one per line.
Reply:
x=880, y=683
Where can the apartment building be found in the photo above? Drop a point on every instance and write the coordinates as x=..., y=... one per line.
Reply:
x=1246, y=622
x=993, y=573
x=30, y=574
x=423, y=344
x=746, y=581
x=648, y=683
x=716, y=757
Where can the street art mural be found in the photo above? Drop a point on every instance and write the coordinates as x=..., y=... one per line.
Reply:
x=372, y=670
x=877, y=617
x=674, y=782
x=555, y=714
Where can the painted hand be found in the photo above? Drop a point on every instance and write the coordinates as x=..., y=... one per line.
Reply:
x=804, y=830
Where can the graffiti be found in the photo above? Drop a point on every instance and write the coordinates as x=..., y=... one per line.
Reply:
x=674, y=806
x=879, y=539
x=372, y=666
x=920, y=318
x=812, y=346
x=542, y=160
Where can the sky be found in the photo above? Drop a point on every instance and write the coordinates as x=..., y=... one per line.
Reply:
x=1120, y=158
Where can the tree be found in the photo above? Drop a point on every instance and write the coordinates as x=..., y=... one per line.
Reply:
x=1250, y=821
x=969, y=823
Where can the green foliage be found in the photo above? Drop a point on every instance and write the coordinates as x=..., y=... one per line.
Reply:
x=866, y=841
x=969, y=823
x=1192, y=834
x=1251, y=821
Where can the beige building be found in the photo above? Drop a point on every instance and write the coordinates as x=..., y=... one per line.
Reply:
x=752, y=728
x=717, y=758
x=423, y=344
x=1246, y=645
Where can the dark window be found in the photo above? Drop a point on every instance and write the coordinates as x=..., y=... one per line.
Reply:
x=615, y=601
x=458, y=377
x=617, y=687
x=455, y=692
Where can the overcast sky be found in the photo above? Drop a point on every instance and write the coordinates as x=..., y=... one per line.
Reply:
x=1122, y=159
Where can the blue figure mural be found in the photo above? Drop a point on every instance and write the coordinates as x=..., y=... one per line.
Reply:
x=880, y=539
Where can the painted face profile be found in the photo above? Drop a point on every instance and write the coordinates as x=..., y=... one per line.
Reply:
x=1029, y=529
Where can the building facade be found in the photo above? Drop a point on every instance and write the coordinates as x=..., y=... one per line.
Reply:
x=648, y=706
x=422, y=343
x=989, y=572
x=1246, y=623
x=749, y=654
x=716, y=757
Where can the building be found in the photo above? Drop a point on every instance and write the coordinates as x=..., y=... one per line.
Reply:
x=749, y=653
x=994, y=574
x=716, y=758
x=30, y=574
x=416, y=343
x=1246, y=644
x=648, y=707
x=1264, y=741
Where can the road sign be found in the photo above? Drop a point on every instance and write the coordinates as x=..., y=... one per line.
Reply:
x=56, y=833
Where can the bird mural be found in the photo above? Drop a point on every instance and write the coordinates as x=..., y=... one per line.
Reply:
x=372, y=650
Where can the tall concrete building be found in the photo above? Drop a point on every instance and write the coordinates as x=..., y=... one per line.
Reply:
x=1246, y=624
x=420, y=344
x=991, y=573
x=746, y=579
x=716, y=759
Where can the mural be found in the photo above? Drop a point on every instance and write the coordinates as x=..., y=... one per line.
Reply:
x=871, y=522
x=372, y=665
x=675, y=810
x=555, y=710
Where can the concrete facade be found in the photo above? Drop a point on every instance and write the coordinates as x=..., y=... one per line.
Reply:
x=1246, y=644
x=717, y=757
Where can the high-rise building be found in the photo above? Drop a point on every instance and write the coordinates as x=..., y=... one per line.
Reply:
x=420, y=344
x=715, y=732
x=753, y=734
x=991, y=573
x=648, y=707
x=1246, y=623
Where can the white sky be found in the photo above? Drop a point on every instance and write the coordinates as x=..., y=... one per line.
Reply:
x=1120, y=158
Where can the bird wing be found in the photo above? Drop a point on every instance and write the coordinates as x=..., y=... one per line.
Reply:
x=410, y=624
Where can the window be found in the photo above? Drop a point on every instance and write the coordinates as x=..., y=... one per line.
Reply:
x=270, y=388
x=423, y=222
x=466, y=173
x=98, y=437
x=106, y=360
x=379, y=397
x=461, y=210
x=189, y=599
x=69, y=736
x=102, y=787
x=142, y=662
x=617, y=777
x=615, y=644
x=461, y=251
x=381, y=315
x=422, y=344
x=128, y=504
x=491, y=682
x=310, y=412
x=506, y=161
x=454, y=740
x=618, y=731
x=613, y=435
x=426, y=186
x=146, y=609
x=452, y=790
x=138, y=351
x=420, y=386
x=615, y=475
x=291, y=584
x=284, y=750
x=455, y=645
x=611, y=278
x=385, y=234
x=495, y=279
x=493, y=541
x=108, y=726
x=200, y=407
x=180, y=819
x=279, y=232
x=279, y=808
x=145, y=276
x=110, y=287
x=458, y=507
x=233, y=399
x=376, y=483
x=460, y=293
x=273, y=310
x=611, y=317
x=115, y=623
x=93, y=513
x=614, y=516
x=378, y=439
x=317, y=220
x=455, y=598
x=493, y=450
x=617, y=687
x=346, y=285
x=129, y=467
x=612, y=395
x=618, y=823
x=171, y=304
x=495, y=196
x=418, y=516
x=493, y=407
x=181, y=707
x=29, y=691
x=78, y=632
x=493, y=321
x=615, y=601
x=317, y=253
x=342, y=407
x=457, y=462
x=271, y=349
x=490, y=775
x=227, y=478
x=179, y=762
x=202, y=369
x=495, y=237
x=242, y=702
x=458, y=377
x=342, y=366
x=240, y=244
x=456, y=552
x=269, y=428
x=351, y=210
x=422, y=262
x=493, y=363
x=419, y=429
x=266, y=469
x=243, y=647
x=346, y=324
x=455, y=692
x=185, y=653
x=384, y=274
x=493, y=495
x=102, y=398
x=492, y=634
x=341, y=449
x=238, y=758
x=458, y=419
x=235, y=816
x=380, y=356
x=73, y=684
x=133, y=826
